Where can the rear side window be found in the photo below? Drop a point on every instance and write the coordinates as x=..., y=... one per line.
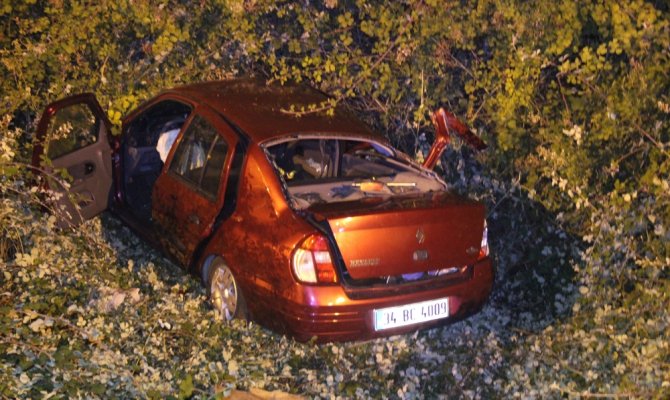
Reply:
x=200, y=157
x=73, y=128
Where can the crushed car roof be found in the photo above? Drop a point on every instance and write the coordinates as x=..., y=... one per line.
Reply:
x=260, y=109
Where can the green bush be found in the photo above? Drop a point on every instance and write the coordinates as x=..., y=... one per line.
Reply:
x=572, y=97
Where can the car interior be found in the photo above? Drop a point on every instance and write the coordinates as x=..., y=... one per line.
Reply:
x=146, y=142
x=330, y=170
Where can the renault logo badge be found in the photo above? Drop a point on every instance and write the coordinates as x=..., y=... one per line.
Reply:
x=420, y=236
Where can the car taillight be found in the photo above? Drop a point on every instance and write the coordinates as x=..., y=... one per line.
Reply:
x=312, y=262
x=484, y=248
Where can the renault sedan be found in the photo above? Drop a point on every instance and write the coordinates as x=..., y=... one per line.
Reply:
x=311, y=225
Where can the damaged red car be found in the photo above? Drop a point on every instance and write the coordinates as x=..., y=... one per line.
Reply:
x=314, y=226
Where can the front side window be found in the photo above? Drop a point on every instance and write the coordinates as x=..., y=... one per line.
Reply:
x=200, y=156
x=73, y=127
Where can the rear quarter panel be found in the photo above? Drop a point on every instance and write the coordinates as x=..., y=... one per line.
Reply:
x=257, y=240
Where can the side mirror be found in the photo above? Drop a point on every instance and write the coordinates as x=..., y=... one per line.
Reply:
x=447, y=123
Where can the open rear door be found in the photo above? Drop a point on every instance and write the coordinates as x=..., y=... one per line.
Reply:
x=73, y=134
x=188, y=196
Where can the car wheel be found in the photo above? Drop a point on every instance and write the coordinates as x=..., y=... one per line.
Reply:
x=224, y=293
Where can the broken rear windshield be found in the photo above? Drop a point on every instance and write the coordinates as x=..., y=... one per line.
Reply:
x=318, y=170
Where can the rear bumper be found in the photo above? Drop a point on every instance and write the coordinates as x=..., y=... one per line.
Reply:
x=328, y=314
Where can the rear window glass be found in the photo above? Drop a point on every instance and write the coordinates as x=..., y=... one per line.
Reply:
x=331, y=170
x=313, y=160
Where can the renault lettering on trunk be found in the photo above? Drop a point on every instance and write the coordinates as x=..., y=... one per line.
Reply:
x=364, y=262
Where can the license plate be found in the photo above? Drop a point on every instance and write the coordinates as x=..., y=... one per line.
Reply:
x=408, y=314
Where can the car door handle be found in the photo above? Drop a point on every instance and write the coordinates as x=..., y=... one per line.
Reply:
x=81, y=171
x=89, y=168
x=193, y=219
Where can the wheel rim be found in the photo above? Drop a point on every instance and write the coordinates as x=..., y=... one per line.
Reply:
x=223, y=290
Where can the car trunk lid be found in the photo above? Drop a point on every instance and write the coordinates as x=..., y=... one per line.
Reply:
x=391, y=236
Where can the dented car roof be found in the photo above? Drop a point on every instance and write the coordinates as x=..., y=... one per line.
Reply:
x=260, y=110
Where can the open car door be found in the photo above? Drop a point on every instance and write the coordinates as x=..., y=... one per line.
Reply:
x=188, y=196
x=73, y=135
x=447, y=124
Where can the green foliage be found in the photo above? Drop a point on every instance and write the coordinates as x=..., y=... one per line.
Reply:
x=572, y=97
